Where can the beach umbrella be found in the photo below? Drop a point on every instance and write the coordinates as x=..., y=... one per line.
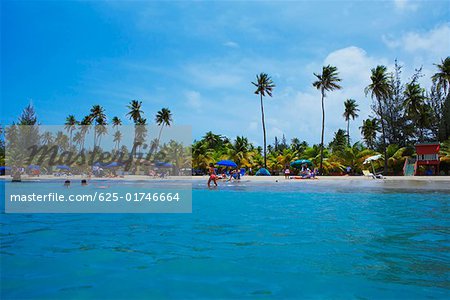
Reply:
x=163, y=164
x=262, y=172
x=371, y=160
x=113, y=164
x=226, y=163
x=63, y=167
x=2, y=168
x=300, y=162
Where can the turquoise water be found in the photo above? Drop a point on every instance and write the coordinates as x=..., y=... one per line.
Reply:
x=370, y=240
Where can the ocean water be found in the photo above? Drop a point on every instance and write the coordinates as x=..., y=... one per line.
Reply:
x=345, y=240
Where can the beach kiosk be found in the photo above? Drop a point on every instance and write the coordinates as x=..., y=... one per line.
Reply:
x=427, y=155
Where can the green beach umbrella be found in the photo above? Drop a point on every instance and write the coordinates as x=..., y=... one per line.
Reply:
x=300, y=162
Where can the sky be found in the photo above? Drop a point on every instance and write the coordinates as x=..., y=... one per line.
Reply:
x=199, y=59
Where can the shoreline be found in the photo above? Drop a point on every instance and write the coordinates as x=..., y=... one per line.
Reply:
x=246, y=178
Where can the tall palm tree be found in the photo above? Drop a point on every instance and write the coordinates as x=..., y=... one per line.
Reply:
x=135, y=113
x=380, y=89
x=85, y=125
x=264, y=85
x=117, y=139
x=442, y=77
x=414, y=100
x=163, y=118
x=78, y=138
x=350, y=111
x=327, y=81
x=369, y=131
x=98, y=117
x=116, y=122
x=70, y=126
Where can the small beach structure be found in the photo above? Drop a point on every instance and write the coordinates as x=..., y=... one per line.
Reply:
x=262, y=172
x=426, y=155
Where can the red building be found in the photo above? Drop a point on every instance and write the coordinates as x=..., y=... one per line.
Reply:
x=427, y=155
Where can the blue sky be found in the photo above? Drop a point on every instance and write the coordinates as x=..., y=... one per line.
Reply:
x=198, y=58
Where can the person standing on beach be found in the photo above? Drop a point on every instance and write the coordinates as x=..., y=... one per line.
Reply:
x=212, y=175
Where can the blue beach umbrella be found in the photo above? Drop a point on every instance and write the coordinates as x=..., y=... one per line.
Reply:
x=226, y=163
x=113, y=164
x=63, y=167
x=4, y=168
x=262, y=172
x=163, y=164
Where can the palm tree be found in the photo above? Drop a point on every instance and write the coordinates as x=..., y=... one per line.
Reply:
x=117, y=139
x=369, y=131
x=416, y=107
x=212, y=140
x=327, y=81
x=78, y=138
x=380, y=89
x=85, y=124
x=116, y=122
x=350, y=111
x=47, y=138
x=414, y=99
x=442, y=77
x=98, y=117
x=264, y=85
x=70, y=126
x=135, y=112
x=163, y=118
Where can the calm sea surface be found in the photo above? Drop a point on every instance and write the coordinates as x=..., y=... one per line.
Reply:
x=342, y=240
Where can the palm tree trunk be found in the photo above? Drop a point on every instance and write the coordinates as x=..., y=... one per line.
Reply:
x=159, y=137
x=348, y=132
x=323, y=130
x=264, y=131
x=383, y=132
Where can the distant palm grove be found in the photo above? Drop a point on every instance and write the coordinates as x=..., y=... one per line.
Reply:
x=403, y=114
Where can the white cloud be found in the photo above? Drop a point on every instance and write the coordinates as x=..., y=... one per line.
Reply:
x=435, y=41
x=406, y=5
x=231, y=44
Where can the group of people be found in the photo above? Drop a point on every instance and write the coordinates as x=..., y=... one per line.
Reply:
x=305, y=173
x=213, y=176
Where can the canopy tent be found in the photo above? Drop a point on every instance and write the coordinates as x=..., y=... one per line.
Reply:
x=262, y=172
